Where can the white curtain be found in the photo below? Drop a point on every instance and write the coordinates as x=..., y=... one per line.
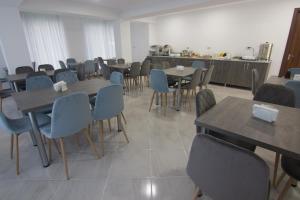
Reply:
x=99, y=39
x=45, y=37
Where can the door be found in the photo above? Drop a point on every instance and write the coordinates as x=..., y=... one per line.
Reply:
x=139, y=40
x=291, y=56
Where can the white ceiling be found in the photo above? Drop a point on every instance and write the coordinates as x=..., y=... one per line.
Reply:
x=120, y=8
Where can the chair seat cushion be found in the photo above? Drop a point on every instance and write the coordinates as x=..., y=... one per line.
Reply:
x=46, y=130
x=291, y=167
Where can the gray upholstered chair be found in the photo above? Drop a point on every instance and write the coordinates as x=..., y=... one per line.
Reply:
x=71, y=114
x=89, y=68
x=67, y=75
x=21, y=85
x=105, y=70
x=70, y=62
x=205, y=100
x=111, y=62
x=16, y=127
x=145, y=71
x=254, y=79
x=62, y=64
x=192, y=85
x=121, y=61
x=132, y=79
x=45, y=67
x=275, y=94
x=207, y=77
x=293, y=71
x=295, y=86
x=291, y=167
x=223, y=171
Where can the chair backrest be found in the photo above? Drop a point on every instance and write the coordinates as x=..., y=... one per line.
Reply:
x=36, y=74
x=89, y=67
x=62, y=64
x=68, y=76
x=276, y=94
x=205, y=100
x=70, y=114
x=207, y=75
x=111, y=62
x=101, y=61
x=121, y=61
x=254, y=78
x=105, y=71
x=198, y=64
x=293, y=71
x=24, y=69
x=159, y=81
x=145, y=68
x=45, y=67
x=135, y=69
x=117, y=78
x=109, y=102
x=196, y=78
x=295, y=86
x=5, y=124
x=224, y=171
x=38, y=82
x=70, y=62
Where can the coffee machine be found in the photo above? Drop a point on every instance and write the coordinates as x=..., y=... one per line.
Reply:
x=265, y=51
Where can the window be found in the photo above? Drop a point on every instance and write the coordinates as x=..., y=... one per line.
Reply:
x=99, y=38
x=45, y=37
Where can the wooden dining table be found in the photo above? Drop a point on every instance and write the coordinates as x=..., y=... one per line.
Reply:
x=121, y=67
x=233, y=117
x=15, y=78
x=30, y=102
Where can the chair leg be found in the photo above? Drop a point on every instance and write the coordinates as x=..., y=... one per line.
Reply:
x=0, y=104
x=101, y=136
x=17, y=154
x=49, y=150
x=174, y=99
x=91, y=144
x=64, y=156
x=123, y=116
x=285, y=189
x=152, y=98
x=122, y=128
x=165, y=103
x=56, y=146
x=277, y=157
x=161, y=99
x=109, y=125
x=197, y=193
x=11, y=146
x=280, y=179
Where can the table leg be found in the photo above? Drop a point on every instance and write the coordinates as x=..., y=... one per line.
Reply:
x=16, y=86
x=38, y=138
x=178, y=106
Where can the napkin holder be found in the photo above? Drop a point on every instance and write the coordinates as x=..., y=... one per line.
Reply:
x=180, y=67
x=265, y=112
x=296, y=77
x=60, y=86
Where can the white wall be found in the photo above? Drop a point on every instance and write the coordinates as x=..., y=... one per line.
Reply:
x=125, y=41
x=229, y=28
x=13, y=38
x=139, y=40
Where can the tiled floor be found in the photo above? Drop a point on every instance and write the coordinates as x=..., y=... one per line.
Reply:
x=151, y=166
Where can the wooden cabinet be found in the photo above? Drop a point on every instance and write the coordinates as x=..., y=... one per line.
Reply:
x=220, y=73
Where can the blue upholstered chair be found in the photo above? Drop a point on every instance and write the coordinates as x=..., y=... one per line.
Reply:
x=105, y=70
x=109, y=104
x=62, y=64
x=294, y=71
x=70, y=115
x=295, y=86
x=15, y=127
x=68, y=76
x=38, y=82
x=70, y=62
x=117, y=78
x=224, y=171
x=159, y=83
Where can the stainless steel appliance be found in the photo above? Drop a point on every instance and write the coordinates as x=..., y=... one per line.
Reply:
x=166, y=50
x=265, y=51
x=155, y=50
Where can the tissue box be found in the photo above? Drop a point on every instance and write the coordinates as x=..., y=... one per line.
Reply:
x=296, y=77
x=265, y=112
x=60, y=86
x=180, y=67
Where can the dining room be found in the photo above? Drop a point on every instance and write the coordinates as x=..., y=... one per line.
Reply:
x=160, y=99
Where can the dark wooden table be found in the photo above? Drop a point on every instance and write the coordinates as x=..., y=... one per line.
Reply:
x=233, y=117
x=14, y=78
x=31, y=102
x=121, y=67
x=277, y=80
x=179, y=75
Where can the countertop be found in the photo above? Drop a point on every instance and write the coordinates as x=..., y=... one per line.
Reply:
x=217, y=59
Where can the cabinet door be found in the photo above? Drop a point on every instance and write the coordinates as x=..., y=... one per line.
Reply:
x=217, y=74
x=247, y=75
x=236, y=73
x=263, y=69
